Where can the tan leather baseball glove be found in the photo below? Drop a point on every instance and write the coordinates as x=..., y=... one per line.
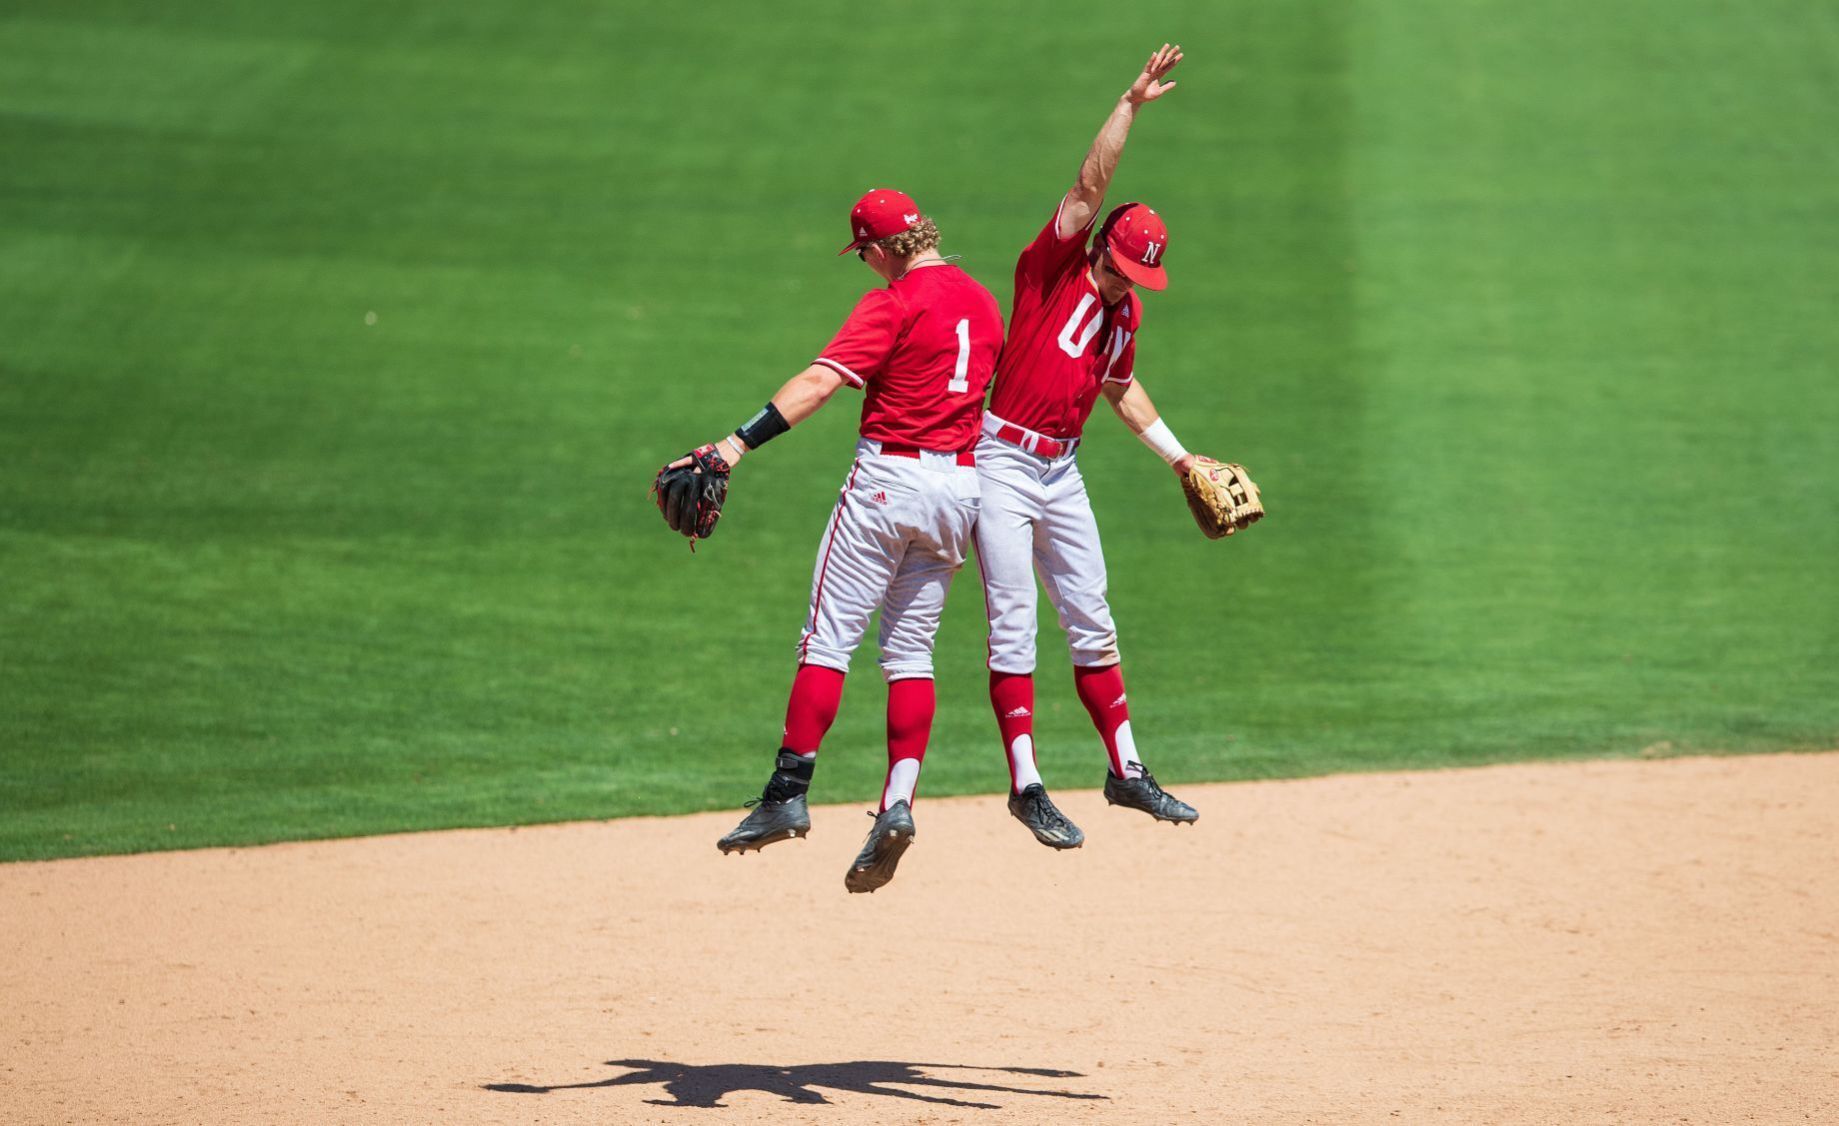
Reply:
x=1222, y=497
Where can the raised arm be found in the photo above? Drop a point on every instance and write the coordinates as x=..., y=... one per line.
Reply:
x=1088, y=192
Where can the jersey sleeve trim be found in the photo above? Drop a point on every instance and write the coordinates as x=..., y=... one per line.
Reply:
x=850, y=377
x=1126, y=379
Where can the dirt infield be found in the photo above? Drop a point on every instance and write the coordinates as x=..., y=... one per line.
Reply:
x=1606, y=942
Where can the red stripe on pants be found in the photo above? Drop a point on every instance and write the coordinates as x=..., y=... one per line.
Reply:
x=823, y=570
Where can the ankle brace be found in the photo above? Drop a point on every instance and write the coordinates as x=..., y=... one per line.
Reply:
x=791, y=776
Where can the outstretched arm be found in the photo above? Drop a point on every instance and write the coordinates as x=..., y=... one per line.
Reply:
x=1133, y=405
x=798, y=400
x=1094, y=180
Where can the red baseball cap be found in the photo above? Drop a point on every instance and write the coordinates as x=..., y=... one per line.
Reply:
x=880, y=213
x=1137, y=237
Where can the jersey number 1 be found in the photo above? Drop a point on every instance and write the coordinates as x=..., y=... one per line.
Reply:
x=960, y=381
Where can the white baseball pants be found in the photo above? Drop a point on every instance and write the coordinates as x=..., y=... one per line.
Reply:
x=900, y=531
x=1037, y=519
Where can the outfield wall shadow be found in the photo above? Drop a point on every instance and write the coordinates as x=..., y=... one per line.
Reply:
x=706, y=1085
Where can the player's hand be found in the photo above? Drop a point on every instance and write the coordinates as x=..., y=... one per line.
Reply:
x=1182, y=464
x=1149, y=85
x=728, y=446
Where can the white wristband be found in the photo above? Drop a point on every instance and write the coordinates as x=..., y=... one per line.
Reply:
x=1157, y=436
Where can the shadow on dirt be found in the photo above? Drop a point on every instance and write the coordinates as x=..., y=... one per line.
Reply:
x=704, y=1086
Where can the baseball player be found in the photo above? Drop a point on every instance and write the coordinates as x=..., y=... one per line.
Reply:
x=922, y=349
x=1072, y=338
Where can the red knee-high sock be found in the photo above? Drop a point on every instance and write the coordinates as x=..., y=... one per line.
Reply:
x=1012, y=697
x=1101, y=690
x=817, y=692
x=910, y=706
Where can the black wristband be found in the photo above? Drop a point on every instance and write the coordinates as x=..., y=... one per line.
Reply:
x=763, y=427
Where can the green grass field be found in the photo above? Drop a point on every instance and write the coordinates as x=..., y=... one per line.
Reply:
x=339, y=342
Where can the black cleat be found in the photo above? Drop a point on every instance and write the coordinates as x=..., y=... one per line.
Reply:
x=779, y=813
x=769, y=821
x=1033, y=808
x=875, y=864
x=1143, y=793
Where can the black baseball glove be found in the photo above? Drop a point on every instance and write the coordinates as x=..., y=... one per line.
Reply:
x=690, y=492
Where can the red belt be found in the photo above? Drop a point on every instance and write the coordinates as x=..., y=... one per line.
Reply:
x=965, y=457
x=1039, y=444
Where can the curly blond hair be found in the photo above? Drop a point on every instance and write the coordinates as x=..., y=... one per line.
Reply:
x=923, y=235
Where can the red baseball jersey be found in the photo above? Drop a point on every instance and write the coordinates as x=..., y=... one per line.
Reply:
x=924, y=347
x=1065, y=343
